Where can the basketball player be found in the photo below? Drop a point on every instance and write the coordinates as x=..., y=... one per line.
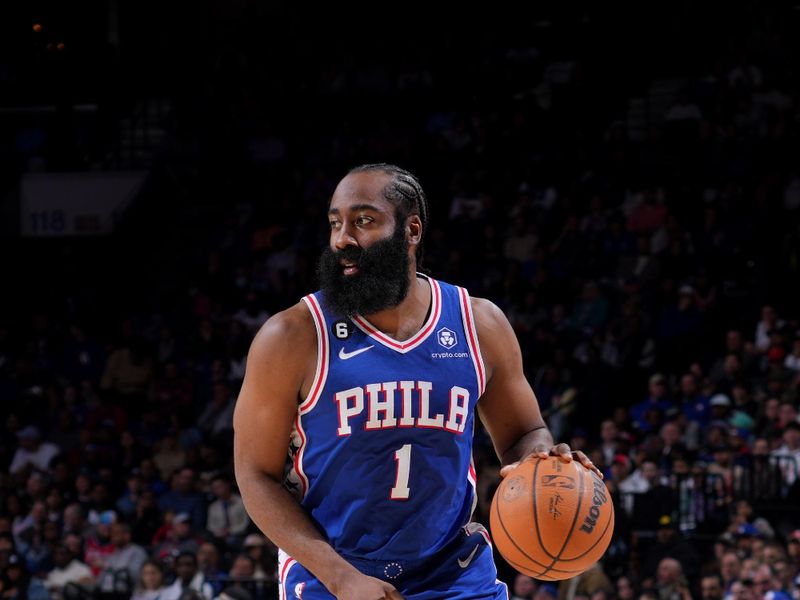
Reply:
x=373, y=383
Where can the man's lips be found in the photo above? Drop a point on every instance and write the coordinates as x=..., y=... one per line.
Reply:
x=349, y=268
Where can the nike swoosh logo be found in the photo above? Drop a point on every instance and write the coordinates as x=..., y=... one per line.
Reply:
x=345, y=355
x=465, y=563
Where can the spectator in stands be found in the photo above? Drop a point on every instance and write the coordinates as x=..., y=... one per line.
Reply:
x=608, y=440
x=739, y=359
x=742, y=589
x=208, y=562
x=67, y=570
x=150, y=584
x=33, y=453
x=523, y=588
x=179, y=536
x=679, y=324
x=242, y=568
x=83, y=357
x=123, y=566
x=253, y=314
x=588, y=584
x=673, y=448
x=711, y=587
x=169, y=457
x=235, y=592
x=793, y=547
x=743, y=514
x=126, y=504
x=242, y=573
x=792, y=360
x=693, y=404
x=150, y=475
x=641, y=267
x=98, y=544
x=671, y=583
x=183, y=498
x=650, y=497
x=172, y=391
x=669, y=543
x=17, y=584
x=787, y=413
x=147, y=519
x=187, y=577
x=656, y=400
x=766, y=585
x=768, y=322
x=217, y=418
x=100, y=501
x=625, y=588
x=784, y=576
x=129, y=370
x=591, y=312
x=730, y=568
x=789, y=452
x=29, y=527
x=39, y=553
x=722, y=409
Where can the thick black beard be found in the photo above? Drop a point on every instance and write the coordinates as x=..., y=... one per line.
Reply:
x=381, y=281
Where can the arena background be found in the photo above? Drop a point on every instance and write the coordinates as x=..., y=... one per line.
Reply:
x=623, y=180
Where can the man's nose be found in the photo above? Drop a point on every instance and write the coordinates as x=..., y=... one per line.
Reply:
x=344, y=238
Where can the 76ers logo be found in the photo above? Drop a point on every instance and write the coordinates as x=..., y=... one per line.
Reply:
x=446, y=337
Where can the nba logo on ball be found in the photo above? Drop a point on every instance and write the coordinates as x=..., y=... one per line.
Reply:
x=447, y=337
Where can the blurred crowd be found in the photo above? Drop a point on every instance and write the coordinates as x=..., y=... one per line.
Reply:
x=651, y=274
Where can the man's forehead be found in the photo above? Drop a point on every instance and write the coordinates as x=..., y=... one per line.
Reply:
x=361, y=188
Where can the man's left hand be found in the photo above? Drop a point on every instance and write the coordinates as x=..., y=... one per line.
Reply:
x=562, y=451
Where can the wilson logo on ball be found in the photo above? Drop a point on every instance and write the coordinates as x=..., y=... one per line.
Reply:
x=598, y=499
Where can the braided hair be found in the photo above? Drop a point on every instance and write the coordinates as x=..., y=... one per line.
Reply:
x=405, y=192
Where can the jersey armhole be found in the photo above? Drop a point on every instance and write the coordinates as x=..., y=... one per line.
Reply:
x=471, y=331
x=323, y=355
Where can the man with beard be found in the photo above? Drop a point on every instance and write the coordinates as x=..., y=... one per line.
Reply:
x=374, y=382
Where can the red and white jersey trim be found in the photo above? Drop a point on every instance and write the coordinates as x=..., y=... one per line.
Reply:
x=472, y=339
x=472, y=478
x=323, y=355
x=285, y=562
x=416, y=340
x=298, y=436
x=298, y=457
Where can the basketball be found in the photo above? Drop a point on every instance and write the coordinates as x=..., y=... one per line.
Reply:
x=551, y=519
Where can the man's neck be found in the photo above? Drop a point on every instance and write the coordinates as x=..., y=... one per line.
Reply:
x=401, y=322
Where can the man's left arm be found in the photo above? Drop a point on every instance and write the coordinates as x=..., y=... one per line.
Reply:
x=508, y=408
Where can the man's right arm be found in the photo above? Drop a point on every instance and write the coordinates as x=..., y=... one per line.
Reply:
x=279, y=372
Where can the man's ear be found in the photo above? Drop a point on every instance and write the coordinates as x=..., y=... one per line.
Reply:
x=414, y=230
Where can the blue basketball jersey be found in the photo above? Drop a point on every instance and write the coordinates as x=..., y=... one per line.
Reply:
x=381, y=451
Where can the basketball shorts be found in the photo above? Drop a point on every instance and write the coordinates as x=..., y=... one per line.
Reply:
x=464, y=570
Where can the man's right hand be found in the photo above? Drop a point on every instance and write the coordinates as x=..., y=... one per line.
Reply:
x=360, y=587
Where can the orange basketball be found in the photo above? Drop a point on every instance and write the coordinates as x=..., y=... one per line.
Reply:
x=551, y=519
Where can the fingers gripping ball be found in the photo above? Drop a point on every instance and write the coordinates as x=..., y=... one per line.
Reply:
x=551, y=519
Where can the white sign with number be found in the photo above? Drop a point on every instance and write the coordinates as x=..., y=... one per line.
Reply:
x=61, y=204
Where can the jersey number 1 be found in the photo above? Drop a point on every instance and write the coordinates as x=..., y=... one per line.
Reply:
x=400, y=490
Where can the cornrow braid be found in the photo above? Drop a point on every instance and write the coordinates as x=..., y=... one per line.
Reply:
x=405, y=191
